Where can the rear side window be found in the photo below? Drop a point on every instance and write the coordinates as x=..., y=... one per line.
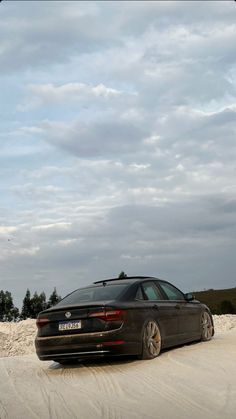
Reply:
x=151, y=292
x=139, y=294
x=100, y=293
x=171, y=292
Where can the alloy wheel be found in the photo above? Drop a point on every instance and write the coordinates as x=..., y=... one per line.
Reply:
x=152, y=339
x=206, y=325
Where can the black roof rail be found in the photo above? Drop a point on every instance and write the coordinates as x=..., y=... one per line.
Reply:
x=122, y=279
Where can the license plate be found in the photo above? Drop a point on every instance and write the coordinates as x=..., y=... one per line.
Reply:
x=73, y=325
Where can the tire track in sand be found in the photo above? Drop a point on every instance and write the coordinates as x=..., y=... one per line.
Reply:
x=13, y=387
x=105, y=377
x=57, y=405
x=3, y=411
x=110, y=389
x=68, y=374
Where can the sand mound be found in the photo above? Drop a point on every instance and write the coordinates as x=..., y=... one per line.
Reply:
x=224, y=322
x=17, y=338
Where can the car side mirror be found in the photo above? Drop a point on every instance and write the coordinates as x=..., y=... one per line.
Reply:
x=189, y=296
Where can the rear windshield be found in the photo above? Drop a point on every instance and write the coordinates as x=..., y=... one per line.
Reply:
x=101, y=293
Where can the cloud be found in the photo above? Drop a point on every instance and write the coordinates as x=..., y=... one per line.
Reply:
x=34, y=43
x=109, y=135
x=5, y=230
x=46, y=94
x=53, y=226
x=34, y=193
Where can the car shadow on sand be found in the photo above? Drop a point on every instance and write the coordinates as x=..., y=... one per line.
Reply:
x=90, y=363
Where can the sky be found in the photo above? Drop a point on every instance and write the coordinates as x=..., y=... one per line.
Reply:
x=118, y=147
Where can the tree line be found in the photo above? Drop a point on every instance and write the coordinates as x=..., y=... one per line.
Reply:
x=31, y=306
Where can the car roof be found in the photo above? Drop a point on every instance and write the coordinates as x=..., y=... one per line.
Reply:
x=127, y=279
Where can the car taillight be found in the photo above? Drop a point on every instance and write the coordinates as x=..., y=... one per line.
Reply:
x=115, y=315
x=109, y=315
x=40, y=322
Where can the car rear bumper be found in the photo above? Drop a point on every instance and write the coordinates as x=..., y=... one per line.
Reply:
x=110, y=343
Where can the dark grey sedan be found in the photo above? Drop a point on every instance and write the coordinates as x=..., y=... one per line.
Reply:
x=132, y=316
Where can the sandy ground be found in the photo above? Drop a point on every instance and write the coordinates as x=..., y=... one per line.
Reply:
x=190, y=382
x=17, y=338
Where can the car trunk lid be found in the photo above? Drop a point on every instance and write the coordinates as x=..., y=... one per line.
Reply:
x=85, y=318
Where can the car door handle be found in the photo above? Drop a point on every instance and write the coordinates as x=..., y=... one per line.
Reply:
x=155, y=307
x=178, y=306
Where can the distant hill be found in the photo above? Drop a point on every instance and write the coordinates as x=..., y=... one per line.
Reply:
x=219, y=301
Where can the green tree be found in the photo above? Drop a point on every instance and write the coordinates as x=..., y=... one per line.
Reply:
x=8, y=311
x=15, y=314
x=38, y=303
x=122, y=275
x=2, y=305
x=26, y=310
x=9, y=306
x=53, y=299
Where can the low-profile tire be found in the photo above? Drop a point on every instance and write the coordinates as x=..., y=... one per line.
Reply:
x=151, y=340
x=206, y=326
